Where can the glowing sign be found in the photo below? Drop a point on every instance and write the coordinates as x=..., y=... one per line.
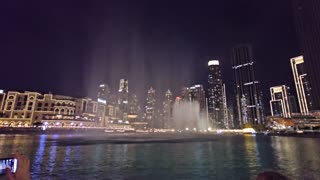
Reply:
x=1, y=91
x=213, y=62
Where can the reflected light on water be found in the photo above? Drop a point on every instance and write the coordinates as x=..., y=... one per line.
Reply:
x=52, y=159
x=39, y=155
x=225, y=157
x=298, y=159
x=251, y=153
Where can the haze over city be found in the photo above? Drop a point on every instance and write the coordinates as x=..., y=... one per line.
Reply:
x=70, y=49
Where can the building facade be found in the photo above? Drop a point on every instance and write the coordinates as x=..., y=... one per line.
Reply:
x=280, y=102
x=123, y=98
x=194, y=93
x=293, y=104
x=226, y=121
x=249, y=109
x=167, y=110
x=103, y=95
x=29, y=108
x=302, y=85
x=307, y=18
x=150, y=108
x=2, y=99
x=134, y=107
x=215, y=94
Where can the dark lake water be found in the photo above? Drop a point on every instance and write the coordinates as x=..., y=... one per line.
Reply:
x=224, y=157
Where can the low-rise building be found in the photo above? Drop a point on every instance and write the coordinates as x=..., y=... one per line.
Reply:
x=32, y=108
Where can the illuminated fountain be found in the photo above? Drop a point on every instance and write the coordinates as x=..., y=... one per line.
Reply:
x=187, y=116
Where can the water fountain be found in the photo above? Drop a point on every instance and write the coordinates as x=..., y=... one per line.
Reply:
x=188, y=116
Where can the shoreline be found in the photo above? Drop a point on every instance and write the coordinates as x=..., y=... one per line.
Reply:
x=39, y=131
x=295, y=134
x=101, y=131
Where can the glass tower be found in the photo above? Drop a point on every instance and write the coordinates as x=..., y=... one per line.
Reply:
x=249, y=109
x=215, y=94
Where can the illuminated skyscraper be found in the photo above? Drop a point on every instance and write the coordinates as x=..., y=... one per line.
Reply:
x=103, y=93
x=280, y=103
x=167, y=109
x=307, y=16
x=302, y=85
x=185, y=96
x=215, y=94
x=150, y=107
x=134, y=105
x=123, y=87
x=197, y=93
x=226, y=123
x=123, y=98
x=248, y=96
x=134, y=113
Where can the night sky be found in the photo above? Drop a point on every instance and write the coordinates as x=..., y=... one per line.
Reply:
x=69, y=47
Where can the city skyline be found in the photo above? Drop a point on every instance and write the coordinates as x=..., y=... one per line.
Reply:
x=166, y=72
x=161, y=89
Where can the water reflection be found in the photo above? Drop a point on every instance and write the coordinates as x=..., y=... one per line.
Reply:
x=39, y=155
x=297, y=157
x=52, y=158
x=9, y=144
x=265, y=153
x=251, y=151
x=227, y=157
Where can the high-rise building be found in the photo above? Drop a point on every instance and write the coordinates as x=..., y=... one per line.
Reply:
x=167, y=110
x=134, y=113
x=293, y=104
x=103, y=93
x=226, y=123
x=302, y=85
x=185, y=96
x=230, y=117
x=123, y=87
x=123, y=100
x=249, y=107
x=134, y=105
x=150, y=107
x=215, y=94
x=307, y=18
x=197, y=93
x=123, y=96
x=279, y=102
x=159, y=119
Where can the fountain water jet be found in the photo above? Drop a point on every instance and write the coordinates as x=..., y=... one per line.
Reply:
x=187, y=115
